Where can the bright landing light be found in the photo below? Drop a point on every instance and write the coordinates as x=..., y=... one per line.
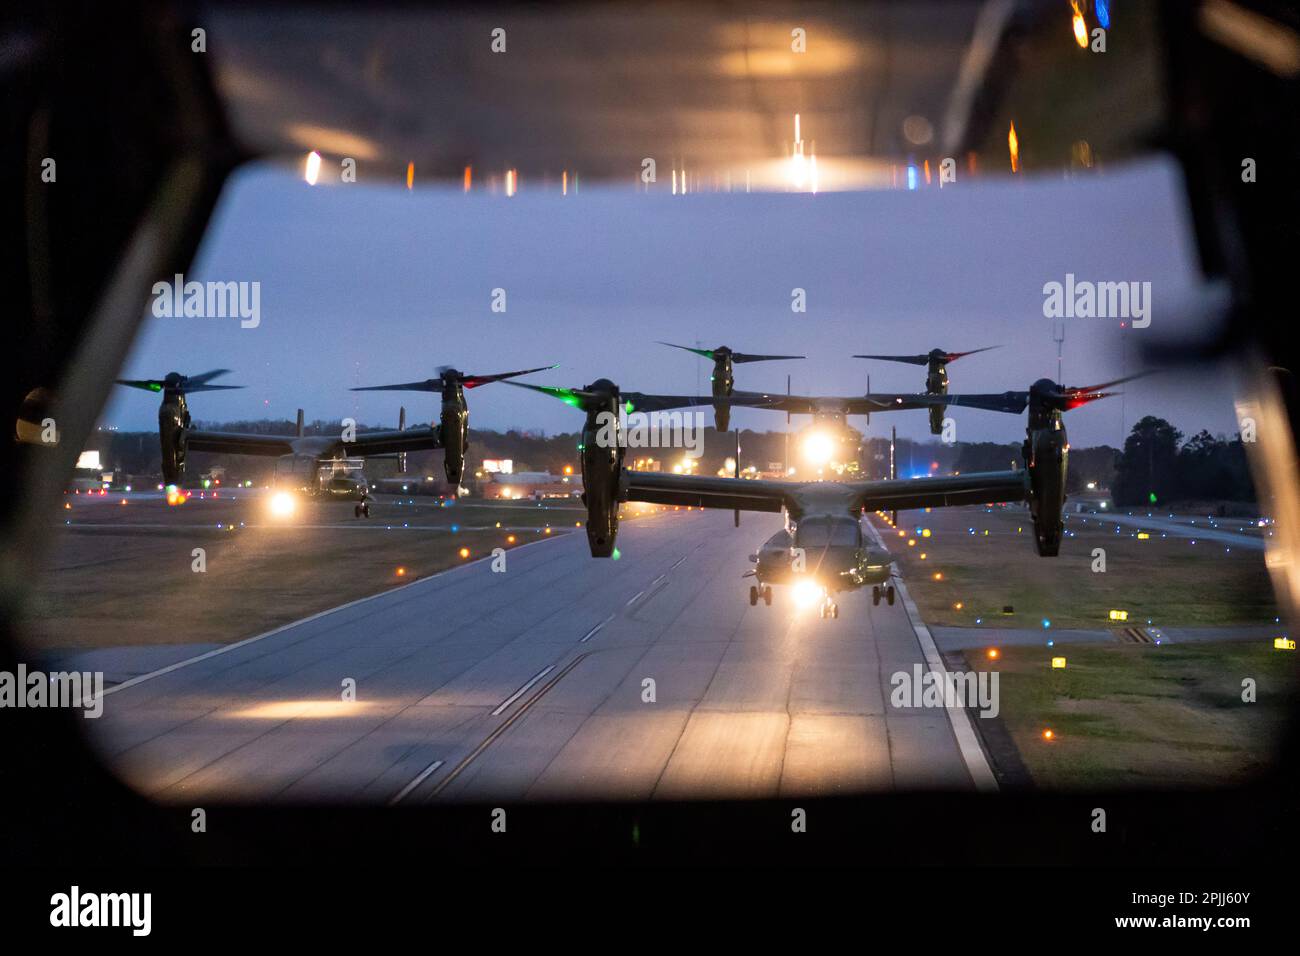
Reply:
x=806, y=594
x=817, y=448
x=282, y=504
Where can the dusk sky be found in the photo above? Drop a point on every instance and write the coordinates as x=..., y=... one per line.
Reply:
x=366, y=285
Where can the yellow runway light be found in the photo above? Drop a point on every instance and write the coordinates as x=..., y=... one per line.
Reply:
x=1058, y=663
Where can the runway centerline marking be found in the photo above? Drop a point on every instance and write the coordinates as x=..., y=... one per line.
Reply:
x=523, y=690
x=595, y=630
x=424, y=774
x=505, y=725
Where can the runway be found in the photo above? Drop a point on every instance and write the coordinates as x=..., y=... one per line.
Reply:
x=532, y=683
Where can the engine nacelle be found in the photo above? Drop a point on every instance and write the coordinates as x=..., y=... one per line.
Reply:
x=936, y=383
x=722, y=416
x=173, y=420
x=601, y=468
x=453, y=433
x=936, y=419
x=1046, y=452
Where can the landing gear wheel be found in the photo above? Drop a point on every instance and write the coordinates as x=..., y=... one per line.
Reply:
x=835, y=611
x=356, y=511
x=767, y=595
x=753, y=595
x=365, y=509
x=875, y=594
x=889, y=595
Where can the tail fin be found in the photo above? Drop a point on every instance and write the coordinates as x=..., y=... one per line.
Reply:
x=736, y=472
x=401, y=427
x=300, y=428
x=893, y=461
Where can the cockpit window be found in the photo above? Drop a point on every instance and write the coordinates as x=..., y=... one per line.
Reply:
x=817, y=533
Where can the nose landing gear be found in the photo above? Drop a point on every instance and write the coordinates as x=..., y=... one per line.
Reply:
x=362, y=510
x=765, y=592
x=829, y=608
x=887, y=593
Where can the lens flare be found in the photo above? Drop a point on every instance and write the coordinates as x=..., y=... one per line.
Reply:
x=1080, y=28
x=806, y=594
x=282, y=504
x=312, y=171
x=818, y=448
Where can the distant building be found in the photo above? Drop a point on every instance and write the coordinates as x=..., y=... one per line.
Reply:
x=533, y=485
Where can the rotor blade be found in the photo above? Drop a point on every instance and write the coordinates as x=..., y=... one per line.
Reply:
x=1083, y=398
x=909, y=359
x=186, y=385
x=744, y=357
x=474, y=381
x=1096, y=388
x=428, y=385
x=576, y=397
x=954, y=356
x=206, y=377
x=707, y=353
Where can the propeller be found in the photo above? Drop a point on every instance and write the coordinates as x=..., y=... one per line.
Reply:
x=1067, y=398
x=1048, y=393
x=594, y=396
x=601, y=393
x=935, y=355
x=176, y=382
x=737, y=357
x=448, y=375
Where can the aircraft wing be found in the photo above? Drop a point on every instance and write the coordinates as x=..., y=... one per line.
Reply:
x=846, y=405
x=904, y=494
x=419, y=438
x=643, y=402
x=317, y=446
x=889, y=402
x=235, y=443
x=1011, y=402
x=703, y=491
